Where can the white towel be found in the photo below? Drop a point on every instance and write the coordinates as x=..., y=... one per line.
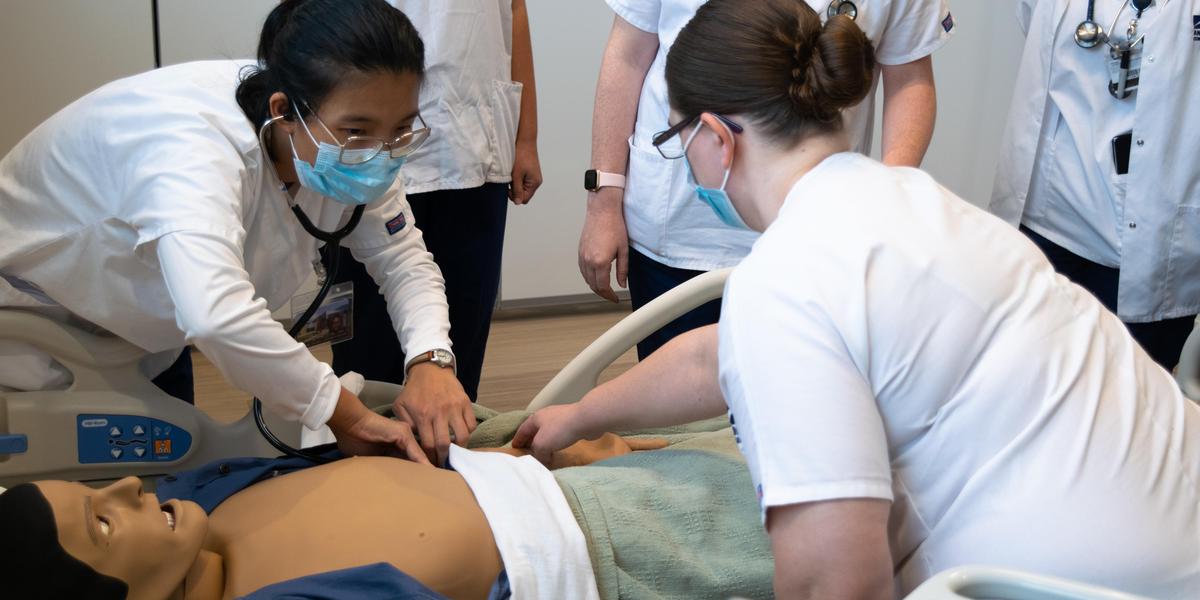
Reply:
x=540, y=542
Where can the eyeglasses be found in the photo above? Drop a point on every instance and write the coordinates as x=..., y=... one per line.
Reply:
x=358, y=149
x=673, y=151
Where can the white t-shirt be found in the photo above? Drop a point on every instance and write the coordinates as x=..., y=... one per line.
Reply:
x=885, y=339
x=148, y=208
x=468, y=96
x=664, y=218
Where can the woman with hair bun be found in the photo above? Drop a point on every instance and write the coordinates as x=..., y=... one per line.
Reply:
x=182, y=205
x=911, y=384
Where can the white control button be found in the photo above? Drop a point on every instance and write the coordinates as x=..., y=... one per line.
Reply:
x=116, y=452
x=138, y=430
x=140, y=451
x=114, y=432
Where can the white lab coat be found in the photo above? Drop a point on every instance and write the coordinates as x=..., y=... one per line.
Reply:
x=148, y=209
x=468, y=96
x=1159, y=215
x=664, y=219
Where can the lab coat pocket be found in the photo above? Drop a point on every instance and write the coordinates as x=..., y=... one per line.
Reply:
x=506, y=117
x=646, y=196
x=1183, y=262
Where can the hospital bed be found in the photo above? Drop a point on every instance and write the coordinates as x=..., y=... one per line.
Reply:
x=113, y=422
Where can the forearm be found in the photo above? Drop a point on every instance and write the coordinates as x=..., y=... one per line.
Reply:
x=626, y=61
x=909, y=112
x=522, y=72
x=216, y=308
x=675, y=385
x=414, y=290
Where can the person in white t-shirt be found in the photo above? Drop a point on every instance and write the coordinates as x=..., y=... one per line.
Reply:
x=180, y=206
x=912, y=385
x=641, y=213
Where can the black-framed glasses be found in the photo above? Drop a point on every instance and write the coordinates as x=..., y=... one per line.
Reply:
x=661, y=140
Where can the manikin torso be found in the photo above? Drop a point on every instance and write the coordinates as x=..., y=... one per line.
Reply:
x=351, y=513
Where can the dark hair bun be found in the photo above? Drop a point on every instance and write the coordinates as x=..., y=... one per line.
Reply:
x=833, y=70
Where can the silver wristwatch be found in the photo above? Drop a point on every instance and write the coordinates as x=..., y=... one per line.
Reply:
x=438, y=356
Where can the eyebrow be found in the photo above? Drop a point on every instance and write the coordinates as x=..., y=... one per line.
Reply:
x=364, y=119
x=90, y=519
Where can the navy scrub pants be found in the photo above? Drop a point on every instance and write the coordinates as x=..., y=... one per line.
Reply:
x=649, y=279
x=1162, y=340
x=464, y=230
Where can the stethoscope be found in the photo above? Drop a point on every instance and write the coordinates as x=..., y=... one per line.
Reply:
x=842, y=7
x=1089, y=33
x=332, y=241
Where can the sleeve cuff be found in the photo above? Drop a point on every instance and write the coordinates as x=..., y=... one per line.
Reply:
x=918, y=54
x=840, y=490
x=320, y=409
x=632, y=17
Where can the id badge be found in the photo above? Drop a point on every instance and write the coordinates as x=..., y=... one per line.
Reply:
x=1124, y=70
x=333, y=321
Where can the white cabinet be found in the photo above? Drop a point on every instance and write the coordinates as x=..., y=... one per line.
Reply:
x=56, y=51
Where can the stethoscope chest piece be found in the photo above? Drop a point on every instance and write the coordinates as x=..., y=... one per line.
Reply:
x=1089, y=34
x=842, y=7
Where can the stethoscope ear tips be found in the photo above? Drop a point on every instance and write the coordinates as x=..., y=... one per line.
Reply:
x=1089, y=34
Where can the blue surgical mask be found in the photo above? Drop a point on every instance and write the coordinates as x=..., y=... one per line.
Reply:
x=349, y=184
x=718, y=201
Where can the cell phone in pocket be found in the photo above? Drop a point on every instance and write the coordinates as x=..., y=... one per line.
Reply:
x=1120, y=151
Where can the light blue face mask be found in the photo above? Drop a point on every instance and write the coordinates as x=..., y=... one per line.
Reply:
x=718, y=201
x=355, y=184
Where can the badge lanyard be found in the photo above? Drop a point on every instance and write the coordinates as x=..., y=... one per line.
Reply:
x=1125, y=57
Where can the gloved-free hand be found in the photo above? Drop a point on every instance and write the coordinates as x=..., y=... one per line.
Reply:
x=361, y=432
x=551, y=429
x=434, y=403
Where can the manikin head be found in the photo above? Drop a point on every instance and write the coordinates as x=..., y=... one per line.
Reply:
x=69, y=540
x=771, y=70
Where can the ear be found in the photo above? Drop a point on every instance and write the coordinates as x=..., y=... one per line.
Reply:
x=280, y=106
x=726, y=137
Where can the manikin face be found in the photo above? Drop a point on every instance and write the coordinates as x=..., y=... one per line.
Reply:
x=122, y=532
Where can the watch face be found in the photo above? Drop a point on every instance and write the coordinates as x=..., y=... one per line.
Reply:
x=442, y=357
x=589, y=180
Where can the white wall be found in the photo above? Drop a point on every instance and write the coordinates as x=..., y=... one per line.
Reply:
x=542, y=240
x=211, y=29
x=56, y=51
x=974, y=72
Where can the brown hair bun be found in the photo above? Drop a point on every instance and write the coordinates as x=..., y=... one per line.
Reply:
x=834, y=69
x=772, y=63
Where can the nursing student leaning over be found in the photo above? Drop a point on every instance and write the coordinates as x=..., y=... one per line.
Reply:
x=156, y=208
x=911, y=383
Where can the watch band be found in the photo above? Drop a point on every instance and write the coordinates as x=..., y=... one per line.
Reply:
x=593, y=180
x=438, y=356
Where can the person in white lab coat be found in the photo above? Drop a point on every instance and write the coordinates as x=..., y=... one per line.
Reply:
x=479, y=96
x=913, y=387
x=156, y=208
x=641, y=213
x=1103, y=179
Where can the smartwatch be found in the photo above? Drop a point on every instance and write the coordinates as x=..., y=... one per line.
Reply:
x=593, y=180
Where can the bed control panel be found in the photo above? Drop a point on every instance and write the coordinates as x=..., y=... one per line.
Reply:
x=129, y=438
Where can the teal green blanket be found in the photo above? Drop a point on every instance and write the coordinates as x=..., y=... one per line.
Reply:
x=682, y=522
